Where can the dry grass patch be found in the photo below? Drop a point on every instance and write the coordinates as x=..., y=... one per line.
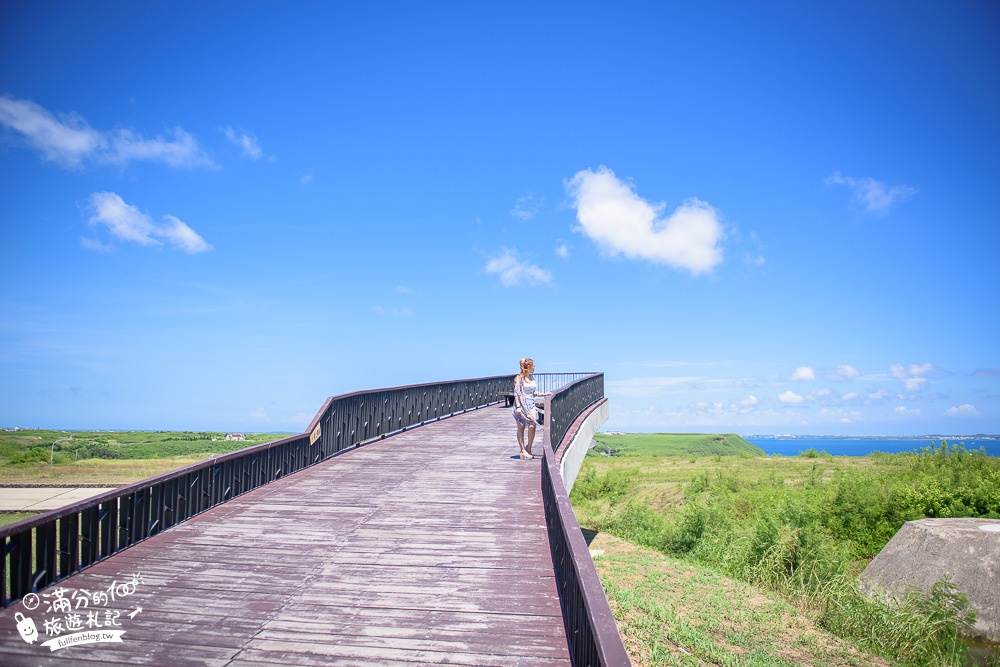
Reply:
x=112, y=472
x=673, y=613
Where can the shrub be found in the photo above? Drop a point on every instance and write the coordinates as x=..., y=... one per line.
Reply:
x=809, y=540
x=683, y=537
x=32, y=455
x=640, y=524
x=614, y=485
x=918, y=630
x=97, y=451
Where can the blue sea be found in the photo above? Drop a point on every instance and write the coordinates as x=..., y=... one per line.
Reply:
x=791, y=446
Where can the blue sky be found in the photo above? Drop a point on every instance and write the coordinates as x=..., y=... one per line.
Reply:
x=769, y=219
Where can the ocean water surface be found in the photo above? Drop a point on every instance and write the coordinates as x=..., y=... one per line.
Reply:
x=787, y=446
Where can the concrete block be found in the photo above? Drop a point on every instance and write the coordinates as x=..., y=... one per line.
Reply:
x=924, y=551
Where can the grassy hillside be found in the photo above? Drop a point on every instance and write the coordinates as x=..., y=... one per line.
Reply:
x=674, y=444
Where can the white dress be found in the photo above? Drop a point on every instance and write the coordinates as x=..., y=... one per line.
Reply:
x=524, y=395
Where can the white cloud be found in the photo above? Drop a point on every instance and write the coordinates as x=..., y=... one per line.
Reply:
x=790, y=397
x=526, y=207
x=874, y=196
x=965, y=410
x=840, y=415
x=850, y=396
x=513, y=272
x=123, y=220
x=182, y=236
x=404, y=289
x=621, y=222
x=182, y=151
x=846, y=372
x=562, y=250
x=749, y=401
x=68, y=139
x=127, y=223
x=803, y=373
x=912, y=375
x=247, y=143
x=306, y=178
x=879, y=395
x=903, y=410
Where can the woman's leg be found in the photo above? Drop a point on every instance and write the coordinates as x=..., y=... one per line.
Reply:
x=531, y=436
x=520, y=436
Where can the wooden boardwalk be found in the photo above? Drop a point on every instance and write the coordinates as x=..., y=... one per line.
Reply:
x=428, y=547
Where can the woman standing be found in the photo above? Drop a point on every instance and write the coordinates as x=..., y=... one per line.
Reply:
x=525, y=411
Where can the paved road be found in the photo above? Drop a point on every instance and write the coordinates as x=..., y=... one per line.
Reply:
x=42, y=499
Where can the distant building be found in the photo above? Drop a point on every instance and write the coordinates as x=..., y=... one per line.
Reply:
x=236, y=436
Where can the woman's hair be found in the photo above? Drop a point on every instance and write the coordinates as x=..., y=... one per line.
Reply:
x=526, y=363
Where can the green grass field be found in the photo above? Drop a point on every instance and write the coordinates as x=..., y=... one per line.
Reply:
x=800, y=529
x=108, y=457
x=7, y=518
x=674, y=444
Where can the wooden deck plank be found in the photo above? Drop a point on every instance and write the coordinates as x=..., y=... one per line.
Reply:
x=428, y=547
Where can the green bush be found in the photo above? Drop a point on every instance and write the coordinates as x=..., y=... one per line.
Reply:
x=614, y=485
x=682, y=537
x=641, y=523
x=97, y=451
x=32, y=455
x=918, y=630
x=810, y=539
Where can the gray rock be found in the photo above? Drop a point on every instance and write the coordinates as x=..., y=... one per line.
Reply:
x=924, y=551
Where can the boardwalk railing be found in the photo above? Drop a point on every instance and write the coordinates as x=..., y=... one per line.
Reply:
x=551, y=381
x=42, y=550
x=590, y=627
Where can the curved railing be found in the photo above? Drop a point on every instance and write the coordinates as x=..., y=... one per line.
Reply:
x=41, y=550
x=570, y=400
x=590, y=627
